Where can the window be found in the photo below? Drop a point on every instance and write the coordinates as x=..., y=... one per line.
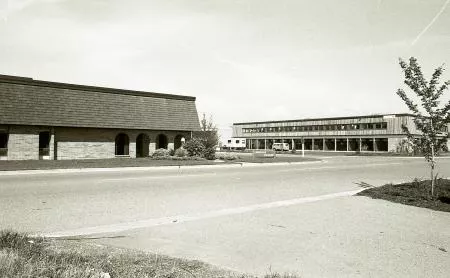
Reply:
x=122, y=144
x=237, y=141
x=44, y=143
x=229, y=141
x=4, y=144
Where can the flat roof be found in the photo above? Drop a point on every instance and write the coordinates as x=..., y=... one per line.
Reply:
x=50, y=84
x=325, y=119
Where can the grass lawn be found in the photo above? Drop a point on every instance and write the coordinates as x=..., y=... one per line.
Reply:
x=130, y=162
x=95, y=163
x=415, y=193
x=21, y=256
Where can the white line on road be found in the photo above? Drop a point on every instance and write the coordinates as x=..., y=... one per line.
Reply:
x=120, y=227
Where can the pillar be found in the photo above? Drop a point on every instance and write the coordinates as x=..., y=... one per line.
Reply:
x=265, y=144
x=312, y=142
x=347, y=144
x=323, y=144
x=360, y=141
x=375, y=145
x=335, y=144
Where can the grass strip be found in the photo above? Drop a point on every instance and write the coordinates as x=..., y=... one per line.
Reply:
x=415, y=193
x=23, y=256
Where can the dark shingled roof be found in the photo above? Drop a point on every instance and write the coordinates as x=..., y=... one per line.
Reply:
x=24, y=101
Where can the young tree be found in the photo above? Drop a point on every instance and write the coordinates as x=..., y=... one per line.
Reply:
x=208, y=136
x=432, y=119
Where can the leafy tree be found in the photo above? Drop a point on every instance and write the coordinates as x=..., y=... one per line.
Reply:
x=432, y=119
x=208, y=136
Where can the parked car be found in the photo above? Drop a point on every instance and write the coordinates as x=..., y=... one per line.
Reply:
x=280, y=146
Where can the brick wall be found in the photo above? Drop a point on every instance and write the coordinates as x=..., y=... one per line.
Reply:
x=23, y=143
x=77, y=143
x=88, y=143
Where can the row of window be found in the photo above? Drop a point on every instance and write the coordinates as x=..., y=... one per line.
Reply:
x=380, y=125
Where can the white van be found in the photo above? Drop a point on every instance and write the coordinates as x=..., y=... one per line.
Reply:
x=280, y=146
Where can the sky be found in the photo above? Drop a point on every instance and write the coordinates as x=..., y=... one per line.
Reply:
x=244, y=60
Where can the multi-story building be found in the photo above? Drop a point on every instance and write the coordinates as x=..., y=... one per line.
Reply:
x=372, y=133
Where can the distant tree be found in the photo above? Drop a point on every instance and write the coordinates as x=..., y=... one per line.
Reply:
x=432, y=119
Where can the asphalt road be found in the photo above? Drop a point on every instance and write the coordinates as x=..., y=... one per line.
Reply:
x=298, y=218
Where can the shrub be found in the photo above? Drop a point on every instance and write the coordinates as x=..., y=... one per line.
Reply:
x=227, y=156
x=181, y=152
x=194, y=147
x=210, y=153
x=160, y=153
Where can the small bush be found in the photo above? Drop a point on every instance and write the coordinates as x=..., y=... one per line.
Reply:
x=228, y=156
x=171, y=152
x=181, y=152
x=210, y=153
x=194, y=147
x=161, y=153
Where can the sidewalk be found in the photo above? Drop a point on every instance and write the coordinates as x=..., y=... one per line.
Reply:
x=151, y=168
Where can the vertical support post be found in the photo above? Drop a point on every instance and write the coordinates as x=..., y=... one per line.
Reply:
x=335, y=144
x=323, y=144
x=265, y=144
x=312, y=146
x=293, y=144
x=303, y=147
x=360, y=144
x=374, y=145
x=257, y=144
x=347, y=145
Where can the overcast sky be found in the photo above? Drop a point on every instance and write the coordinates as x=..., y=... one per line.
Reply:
x=244, y=60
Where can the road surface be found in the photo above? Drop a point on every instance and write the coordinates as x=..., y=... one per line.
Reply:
x=297, y=218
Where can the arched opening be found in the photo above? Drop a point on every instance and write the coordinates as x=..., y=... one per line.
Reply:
x=142, y=145
x=178, y=142
x=161, y=142
x=122, y=144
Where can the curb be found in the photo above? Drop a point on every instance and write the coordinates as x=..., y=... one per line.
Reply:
x=153, y=168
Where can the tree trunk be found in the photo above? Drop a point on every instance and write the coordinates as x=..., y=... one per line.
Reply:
x=432, y=169
x=432, y=180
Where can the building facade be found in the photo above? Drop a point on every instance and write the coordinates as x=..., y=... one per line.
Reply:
x=373, y=133
x=49, y=120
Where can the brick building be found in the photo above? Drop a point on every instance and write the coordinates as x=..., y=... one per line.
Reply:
x=49, y=120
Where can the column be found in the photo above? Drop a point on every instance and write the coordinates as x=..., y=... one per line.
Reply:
x=360, y=141
x=312, y=146
x=257, y=144
x=335, y=144
x=323, y=144
x=375, y=145
x=347, y=144
x=265, y=144
x=303, y=147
